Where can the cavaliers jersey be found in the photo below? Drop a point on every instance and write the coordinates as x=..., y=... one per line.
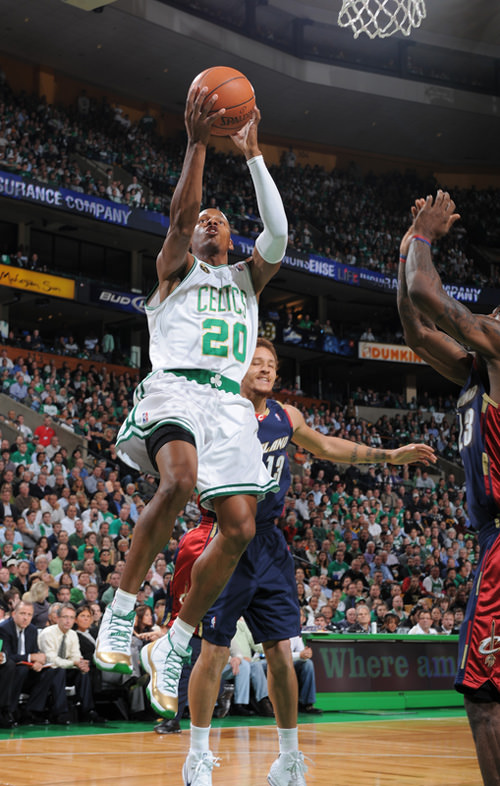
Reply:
x=191, y=545
x=479, y=445
x=479, y=653
x=275, y=432
x=209, y=321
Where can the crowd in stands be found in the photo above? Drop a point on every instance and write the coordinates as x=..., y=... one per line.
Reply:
x=335, y=214
x=373, y=551
x=91, y=404
x=88, y=347
x=290, y=325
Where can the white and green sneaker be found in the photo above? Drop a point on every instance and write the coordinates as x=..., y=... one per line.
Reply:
x=164, y=665
x=112, y=649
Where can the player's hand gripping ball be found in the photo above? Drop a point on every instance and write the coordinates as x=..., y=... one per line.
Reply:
x=234, y=93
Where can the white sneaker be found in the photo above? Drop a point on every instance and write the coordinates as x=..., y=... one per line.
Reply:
x=112, y=649
x=164, y=665
x=288, y=770
x=197, y=769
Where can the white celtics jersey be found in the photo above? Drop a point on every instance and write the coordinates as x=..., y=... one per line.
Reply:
x=208, y=322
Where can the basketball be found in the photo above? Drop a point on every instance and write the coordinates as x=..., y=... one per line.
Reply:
x=234, y=93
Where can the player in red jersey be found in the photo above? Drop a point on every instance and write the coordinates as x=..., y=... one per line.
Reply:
x=465, y=348
x=191, y=545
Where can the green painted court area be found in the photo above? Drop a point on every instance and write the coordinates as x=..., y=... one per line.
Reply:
x=130, y=727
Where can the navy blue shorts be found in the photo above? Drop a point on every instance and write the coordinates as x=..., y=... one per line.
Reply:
x=262, y=589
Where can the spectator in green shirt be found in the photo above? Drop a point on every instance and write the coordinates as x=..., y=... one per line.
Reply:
x=115, y=526
x=77, y=538
x=114, y=582
x=338, y=566
x=319, y=531
x=88, y=549
x=56, y=564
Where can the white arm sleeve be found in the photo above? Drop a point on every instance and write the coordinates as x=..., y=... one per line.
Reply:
x=272, y=241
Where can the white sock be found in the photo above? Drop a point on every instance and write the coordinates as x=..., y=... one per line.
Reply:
x=123, y=602
x=199, y=739
x=180, y=633
x=289, y=740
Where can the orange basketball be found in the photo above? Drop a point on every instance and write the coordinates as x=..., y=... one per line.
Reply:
x=235, y=94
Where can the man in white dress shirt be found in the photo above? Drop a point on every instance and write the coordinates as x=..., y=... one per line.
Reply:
x=60, y=644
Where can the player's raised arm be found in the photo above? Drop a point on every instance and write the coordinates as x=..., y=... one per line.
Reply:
x=480, y=332
x=347, y=452
x=174, y=259
x=270, y=246
x=439, y=350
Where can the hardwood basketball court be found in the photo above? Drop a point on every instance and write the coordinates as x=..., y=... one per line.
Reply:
x=388, y=751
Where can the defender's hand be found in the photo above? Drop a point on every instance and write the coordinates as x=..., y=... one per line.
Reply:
x=436, y=217
x=405, y=242
x=408, y=454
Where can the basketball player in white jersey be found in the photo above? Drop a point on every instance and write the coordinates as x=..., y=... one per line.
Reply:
x=189, y=423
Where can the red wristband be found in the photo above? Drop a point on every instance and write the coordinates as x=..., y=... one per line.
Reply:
x=422, y=239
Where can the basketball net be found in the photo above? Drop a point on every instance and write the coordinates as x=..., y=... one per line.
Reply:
x=381, y=18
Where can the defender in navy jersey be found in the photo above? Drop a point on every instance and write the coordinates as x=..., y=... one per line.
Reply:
x=439, y=328
x=262, y=587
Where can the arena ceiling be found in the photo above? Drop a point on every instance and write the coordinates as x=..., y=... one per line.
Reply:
x=150, y=50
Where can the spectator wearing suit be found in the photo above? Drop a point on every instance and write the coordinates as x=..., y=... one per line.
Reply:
x=22, y=580
x=24, y=498
x=7, y=506
x=61, y=646
x=19, y=639
x=40, y=487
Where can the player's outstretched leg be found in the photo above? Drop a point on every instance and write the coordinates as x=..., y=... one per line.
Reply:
x=112, y=650
x=164, y=659
x=177, y=462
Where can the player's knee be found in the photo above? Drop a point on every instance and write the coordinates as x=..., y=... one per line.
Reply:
x=175, y=491
x=236, y=517
x=278, y=668
x=244, y=532
x=278, y=657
